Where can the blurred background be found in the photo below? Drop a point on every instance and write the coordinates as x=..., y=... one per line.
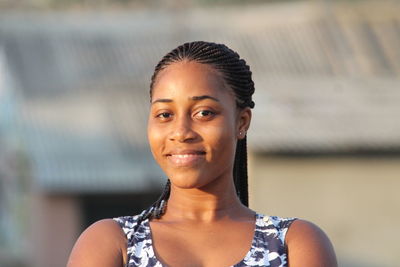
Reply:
x=324, y=144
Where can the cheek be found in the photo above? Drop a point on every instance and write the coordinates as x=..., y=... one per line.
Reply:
x=155, y=137
x=222, y=141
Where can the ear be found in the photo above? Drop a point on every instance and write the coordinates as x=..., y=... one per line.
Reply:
x=243, y=122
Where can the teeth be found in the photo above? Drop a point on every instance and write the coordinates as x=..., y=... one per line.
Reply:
x=183, y=156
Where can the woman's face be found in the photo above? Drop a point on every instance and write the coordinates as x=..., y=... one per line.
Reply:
x=194, y=124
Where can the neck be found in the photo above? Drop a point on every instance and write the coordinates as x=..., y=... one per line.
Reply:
x=204, y=204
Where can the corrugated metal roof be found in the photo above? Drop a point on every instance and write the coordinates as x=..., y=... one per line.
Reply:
x=322, y=84
x=336, y=115
x=69, y=162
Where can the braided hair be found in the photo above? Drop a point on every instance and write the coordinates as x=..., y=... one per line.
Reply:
x=237, y=75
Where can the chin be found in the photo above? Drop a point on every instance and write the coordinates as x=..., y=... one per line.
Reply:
x=188, y=180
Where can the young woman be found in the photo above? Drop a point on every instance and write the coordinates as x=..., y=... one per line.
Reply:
x=201, y=100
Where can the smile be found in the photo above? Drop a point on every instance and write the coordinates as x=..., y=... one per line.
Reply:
x=185, y=160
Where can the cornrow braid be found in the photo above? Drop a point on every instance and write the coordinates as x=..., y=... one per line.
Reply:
x=240, y=172
x=157, y=209
x=237, y=75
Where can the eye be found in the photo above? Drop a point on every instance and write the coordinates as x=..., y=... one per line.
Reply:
x=204, y=114
x=164, y=115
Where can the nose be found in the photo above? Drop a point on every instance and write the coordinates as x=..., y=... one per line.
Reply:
x=182, y=131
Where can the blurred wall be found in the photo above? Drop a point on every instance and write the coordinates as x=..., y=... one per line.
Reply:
x=355, y=200
x=55, y=224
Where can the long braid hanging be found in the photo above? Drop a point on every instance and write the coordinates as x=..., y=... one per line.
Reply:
x=240, y=172
x=237, y=75
x=157, y=209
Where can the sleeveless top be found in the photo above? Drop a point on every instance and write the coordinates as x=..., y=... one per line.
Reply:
x=267, y=249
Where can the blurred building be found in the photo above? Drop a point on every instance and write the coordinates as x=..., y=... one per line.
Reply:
x=324, y=141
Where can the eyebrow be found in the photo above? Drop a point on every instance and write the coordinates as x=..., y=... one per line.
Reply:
x=202, y=97
x=194, y=98
x=161, y=100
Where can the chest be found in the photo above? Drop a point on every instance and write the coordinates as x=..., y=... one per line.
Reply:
x=202, y=245
x=243, y=245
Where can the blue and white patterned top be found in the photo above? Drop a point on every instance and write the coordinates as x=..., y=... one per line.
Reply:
x=268, y=246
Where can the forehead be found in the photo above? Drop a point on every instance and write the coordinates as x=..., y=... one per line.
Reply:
x=190, y=78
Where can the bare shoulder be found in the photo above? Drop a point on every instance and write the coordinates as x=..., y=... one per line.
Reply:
x=309, y=246
x=101, y=244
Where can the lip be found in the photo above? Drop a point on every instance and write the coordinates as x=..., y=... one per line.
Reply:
x=186, y=157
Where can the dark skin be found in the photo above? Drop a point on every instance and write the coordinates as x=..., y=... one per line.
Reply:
x=193, y=128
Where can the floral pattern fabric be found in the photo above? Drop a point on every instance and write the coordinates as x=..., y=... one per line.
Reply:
x=267, y=249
